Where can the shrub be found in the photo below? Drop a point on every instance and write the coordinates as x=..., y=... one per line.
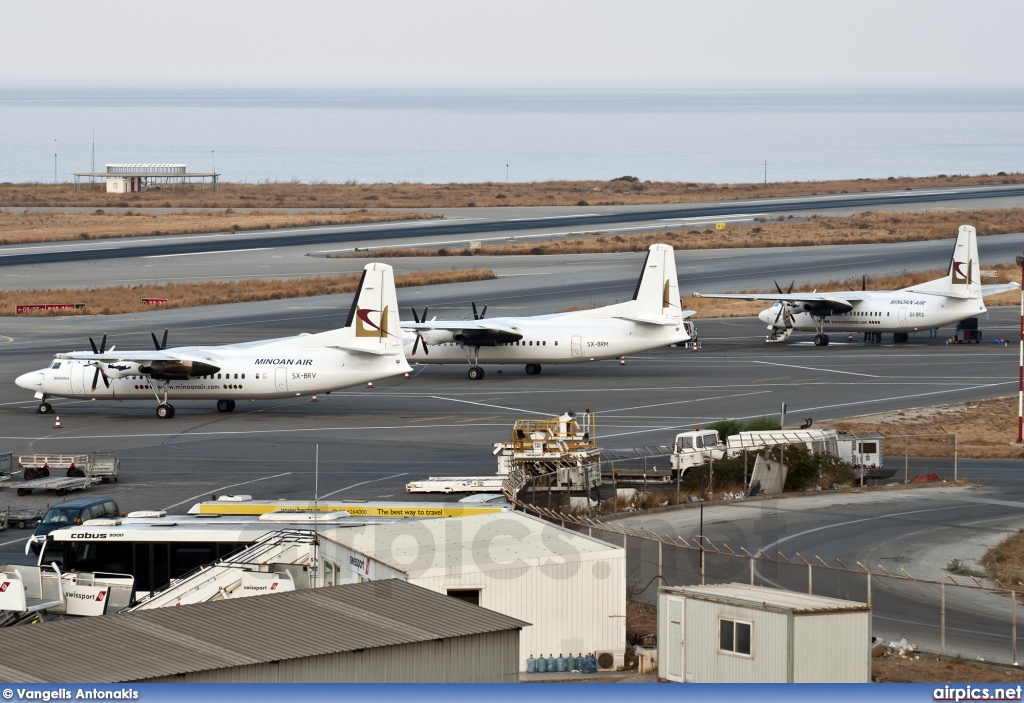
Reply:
x=627, y=179
x=584, y=203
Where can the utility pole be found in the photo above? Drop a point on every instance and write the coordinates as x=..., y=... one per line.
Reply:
x=55, y=161
x=1020, y=391
x=766, y=172
x=506, y=174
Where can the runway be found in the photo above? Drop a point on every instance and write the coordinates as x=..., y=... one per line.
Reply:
x=468, y=224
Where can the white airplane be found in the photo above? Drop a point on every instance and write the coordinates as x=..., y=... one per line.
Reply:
x=956, y=296
x=652, y=319
x=365, y=349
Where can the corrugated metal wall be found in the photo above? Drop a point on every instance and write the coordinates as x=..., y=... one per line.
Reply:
x=486, y=658
x=769, y=636
x=574, y=607
x=832, y=647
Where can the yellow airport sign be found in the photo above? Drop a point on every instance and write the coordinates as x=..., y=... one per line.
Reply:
x=719, y=225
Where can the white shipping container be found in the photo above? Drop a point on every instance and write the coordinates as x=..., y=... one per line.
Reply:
x=737, y=633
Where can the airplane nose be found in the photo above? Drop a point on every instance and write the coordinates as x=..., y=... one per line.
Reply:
x=31, y=381
x=765, y=316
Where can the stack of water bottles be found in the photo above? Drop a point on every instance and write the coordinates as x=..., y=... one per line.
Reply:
x=550, y=664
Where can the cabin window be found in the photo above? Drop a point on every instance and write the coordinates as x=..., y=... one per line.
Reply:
x=236, y=375
x=734, y=636
x=556, y=342
x=243, y=376
x=218, y=375
x=545, y=342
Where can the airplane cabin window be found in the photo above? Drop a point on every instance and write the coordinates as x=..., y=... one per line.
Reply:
x=243, y=376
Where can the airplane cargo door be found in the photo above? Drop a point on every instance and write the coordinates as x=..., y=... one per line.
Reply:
x=77, y=378
x=903, y=317
x=281, y=378
x=675, y=649
x=577, y=345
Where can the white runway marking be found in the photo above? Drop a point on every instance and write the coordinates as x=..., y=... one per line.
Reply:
x=363, y=483
x=222, y=488
x=204, y=253
x=812, y=368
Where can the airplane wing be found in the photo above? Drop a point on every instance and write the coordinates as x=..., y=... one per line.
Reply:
x=995, y=288
x=151, y=362
x=818, y=303
x=661, y=321
x=472, y=331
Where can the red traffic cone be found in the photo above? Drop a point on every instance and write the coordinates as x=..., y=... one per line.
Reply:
x=56, y=423
x=313, y=399
x=406, y=374
x=370, y=384
x=622, y=361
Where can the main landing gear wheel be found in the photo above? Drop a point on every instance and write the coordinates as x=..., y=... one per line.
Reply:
x=225, y=406
x=165, y=411
x=45, y=408
x=901, y=337
x=475, y=373
x=532, y=369
x=821, y=340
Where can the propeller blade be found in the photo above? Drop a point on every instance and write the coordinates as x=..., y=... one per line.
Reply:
x=425, y=308
x=94, y=349
x=476, y=316
x=416, y=344
x=782, y=309
x=103, y=343
x=416, y=319
x=791, y=284
x=426, y=349
x=96, y=378
x=163, y=344
x=484, y=312
x=777, y=287
x=864, y=282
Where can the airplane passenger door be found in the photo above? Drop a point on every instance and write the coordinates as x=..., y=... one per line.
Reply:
x=77, y=377
x=903, y=317
x=577, y=345
x=281, y=378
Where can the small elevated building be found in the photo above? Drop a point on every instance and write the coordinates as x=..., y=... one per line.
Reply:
x=135, y=178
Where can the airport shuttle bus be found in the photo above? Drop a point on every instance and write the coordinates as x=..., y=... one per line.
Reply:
x=157, y=551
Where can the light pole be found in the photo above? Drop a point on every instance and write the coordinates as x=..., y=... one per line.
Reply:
x=1020, y=387
x=213, y=168
x=55, y=161
x=506, y=174
x=766, y=172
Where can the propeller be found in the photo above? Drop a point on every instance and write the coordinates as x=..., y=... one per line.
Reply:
x=419, y=338
x=161, y=345
x=479, y=316
x=102, y=348
x=785, y=308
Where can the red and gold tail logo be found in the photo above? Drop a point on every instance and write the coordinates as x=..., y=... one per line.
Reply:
x=958, y=275
x=665, y=301
x=366, y=328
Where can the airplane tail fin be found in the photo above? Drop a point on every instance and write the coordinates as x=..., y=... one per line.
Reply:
x=657, y=290
x=373, y=324
x=963, y=278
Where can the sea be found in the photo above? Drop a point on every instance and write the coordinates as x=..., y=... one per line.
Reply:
x=445, y=134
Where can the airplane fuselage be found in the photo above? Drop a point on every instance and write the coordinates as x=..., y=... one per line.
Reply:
x=242, y=376
x=885, y=311
x=551, y=341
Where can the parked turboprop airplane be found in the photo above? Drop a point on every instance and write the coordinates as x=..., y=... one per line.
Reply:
x=363, y=350
x=653, y=318
x=956, y=296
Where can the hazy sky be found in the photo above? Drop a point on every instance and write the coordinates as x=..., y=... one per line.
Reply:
x=922, y=42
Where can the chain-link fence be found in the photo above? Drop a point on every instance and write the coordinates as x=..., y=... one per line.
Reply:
x=971, y=618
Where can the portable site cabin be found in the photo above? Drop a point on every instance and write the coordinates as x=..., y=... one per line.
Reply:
x=571, y=587
x=751, y=634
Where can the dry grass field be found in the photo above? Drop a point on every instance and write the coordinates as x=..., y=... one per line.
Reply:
x=1005, y=561
x=985, y=429
x=34, y=226
x=121, y=299
x=619, y=191
x=863, y=228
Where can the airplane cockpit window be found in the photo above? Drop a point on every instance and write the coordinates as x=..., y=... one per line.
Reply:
x=55, y=365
